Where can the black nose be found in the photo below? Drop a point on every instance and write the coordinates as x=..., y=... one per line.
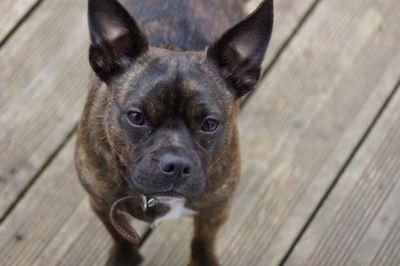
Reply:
x=175, y=166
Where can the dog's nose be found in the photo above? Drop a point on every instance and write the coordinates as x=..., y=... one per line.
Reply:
x=175, y=166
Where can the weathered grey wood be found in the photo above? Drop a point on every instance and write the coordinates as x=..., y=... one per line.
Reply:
x=43, y=77
x=288, y=15
x=299, y=129
x=53, y=224
x=11, y=13
x=359, y=223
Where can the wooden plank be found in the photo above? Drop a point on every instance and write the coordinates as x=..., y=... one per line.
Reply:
x=288, y=17
x=299, y=129
x=359, y=223
x=43, y=79
x=11, y=13
x=44, y=73
x=47, y=227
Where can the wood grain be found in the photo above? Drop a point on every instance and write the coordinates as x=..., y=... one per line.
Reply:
x=288, y=17
x=44, y=75
x=11, y=13
x=359, y=223
x=299, y=129
x=42, y=90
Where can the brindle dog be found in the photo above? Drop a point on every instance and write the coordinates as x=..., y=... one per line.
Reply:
x=160, y=117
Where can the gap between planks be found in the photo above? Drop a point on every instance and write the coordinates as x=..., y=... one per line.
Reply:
x=21, y=20
x=340, y=173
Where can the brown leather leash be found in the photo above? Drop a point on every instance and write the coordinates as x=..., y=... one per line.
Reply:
x=125, y=230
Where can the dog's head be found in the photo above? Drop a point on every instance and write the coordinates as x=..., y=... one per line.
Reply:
x=170, y=115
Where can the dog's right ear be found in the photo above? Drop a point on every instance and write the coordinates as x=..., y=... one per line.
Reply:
x=115, y=38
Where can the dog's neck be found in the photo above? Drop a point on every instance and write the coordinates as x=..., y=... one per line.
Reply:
x=184, y=25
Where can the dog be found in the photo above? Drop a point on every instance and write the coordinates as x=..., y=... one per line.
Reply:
x=159, y=124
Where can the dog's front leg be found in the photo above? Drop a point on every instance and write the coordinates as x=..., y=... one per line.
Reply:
x=122, y=252
x=206, y=226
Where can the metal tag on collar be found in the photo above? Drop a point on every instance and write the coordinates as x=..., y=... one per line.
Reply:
x=151, y=202
x=148, y=203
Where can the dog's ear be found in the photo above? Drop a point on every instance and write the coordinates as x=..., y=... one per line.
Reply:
x=115, y=38
x=239, y=52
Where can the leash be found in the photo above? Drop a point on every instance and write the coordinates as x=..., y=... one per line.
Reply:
x=125, y=230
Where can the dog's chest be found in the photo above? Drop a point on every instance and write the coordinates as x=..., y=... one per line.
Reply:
x=176, y=209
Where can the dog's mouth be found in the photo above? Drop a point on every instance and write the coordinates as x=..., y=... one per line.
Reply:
x=166, y=194
x=163, y=196
x=167, y=191
x=170, y=192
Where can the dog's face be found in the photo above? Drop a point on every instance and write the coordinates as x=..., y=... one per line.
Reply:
x=170, y=115
x=169, y=118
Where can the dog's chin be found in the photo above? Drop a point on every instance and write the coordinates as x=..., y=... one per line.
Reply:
x=173, y=191
x=167, y=194
x=150, y=192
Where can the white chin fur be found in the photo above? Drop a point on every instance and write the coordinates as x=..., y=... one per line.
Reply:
x=176, y=209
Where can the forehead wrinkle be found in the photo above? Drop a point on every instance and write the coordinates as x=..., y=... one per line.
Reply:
x=146, y=81
x=162, y=67
x=196, y=99
x=161, y=79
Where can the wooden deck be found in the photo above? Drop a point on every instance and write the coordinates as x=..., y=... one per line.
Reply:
x=320, y=142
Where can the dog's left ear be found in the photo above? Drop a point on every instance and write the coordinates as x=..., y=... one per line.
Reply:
x=115, y=38
x=239, y=52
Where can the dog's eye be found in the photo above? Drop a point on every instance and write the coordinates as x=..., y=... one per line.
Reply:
x=209, y=125
x=136, y=118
